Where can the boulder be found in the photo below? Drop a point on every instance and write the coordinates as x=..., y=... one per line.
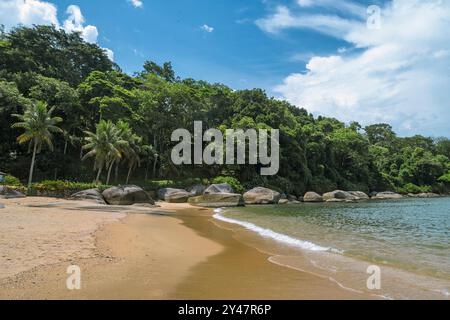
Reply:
x=126, y=195
x=338, y=195
x=8, y=193
x=219, y=188
x=359, y=195
x=262, y=196
x=197, y=190
x=283, y=201
x=373, y=194
x=217, y=200
x=388, y=195
x=428, y=195
x=335, y=200
x=291, y=197
x=90, y=195
x=173, y=195
x=312, y=197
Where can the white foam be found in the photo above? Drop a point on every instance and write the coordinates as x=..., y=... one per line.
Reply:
x=267, y=233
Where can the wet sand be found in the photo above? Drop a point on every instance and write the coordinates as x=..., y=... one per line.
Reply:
x=173, y=252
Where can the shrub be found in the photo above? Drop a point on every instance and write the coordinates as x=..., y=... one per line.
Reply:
x=445, y=178
x=153, y=185
x=59, y=186
x=412, y=188
x=233, y=182
x=12, y=181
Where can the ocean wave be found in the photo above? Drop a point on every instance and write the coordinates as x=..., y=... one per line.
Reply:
x=279, y=237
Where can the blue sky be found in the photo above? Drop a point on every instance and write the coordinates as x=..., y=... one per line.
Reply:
x=237, y=52
x=317, y=54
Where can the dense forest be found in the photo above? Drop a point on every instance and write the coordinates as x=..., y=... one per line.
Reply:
x=105, y=125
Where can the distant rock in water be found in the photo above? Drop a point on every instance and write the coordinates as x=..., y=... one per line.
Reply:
x=8, y=193
x=262, y=196
x=345, y=196
x=388, y=195
x=428, y=195
x=197, y=190
x=359, y=195
x=338, y=195
x=173, y=195
x=312, y=197
x=283, y=201
x=219, y=188
x=90, y=195
x=217, y=200
x=126, y=195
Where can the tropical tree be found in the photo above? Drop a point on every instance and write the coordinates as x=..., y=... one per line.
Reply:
x=38, y=123
x=105, y=145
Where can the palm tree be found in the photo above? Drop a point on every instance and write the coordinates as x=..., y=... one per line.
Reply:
x=132, y=149
x=105, y=146
x=38, y=123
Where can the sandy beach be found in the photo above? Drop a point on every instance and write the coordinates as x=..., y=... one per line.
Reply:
x=171, y=252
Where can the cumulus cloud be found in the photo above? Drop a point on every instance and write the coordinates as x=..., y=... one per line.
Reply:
x=136, y=3
x=27, y=12
x=399, y=73
x=75, y=23
x=36, y=12
x=207, y=28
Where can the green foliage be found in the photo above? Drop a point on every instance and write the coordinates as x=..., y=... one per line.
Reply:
x=124, y=123
x=154, y=185
x=445, y=178
x=61, y=186
x=12, y=181
x=412, y=188
x=38, y=124
x=233, y=182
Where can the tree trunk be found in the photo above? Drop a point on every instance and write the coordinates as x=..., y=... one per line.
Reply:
x=66, y=142
x=116, y=174
x=30, y=177
x=109, y=172
x=129, y=174
x=154, y=166
x=98, y=175
x=146, y=169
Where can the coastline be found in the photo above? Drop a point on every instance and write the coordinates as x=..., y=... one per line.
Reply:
x=172, y=252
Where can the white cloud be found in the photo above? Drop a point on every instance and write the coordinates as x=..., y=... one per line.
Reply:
x=400, y=73
x=283, y=19
x=109, y=53
x=27, y=12
x=75, y=22
x=30, y=12
x=207, y=28
x=136, y=3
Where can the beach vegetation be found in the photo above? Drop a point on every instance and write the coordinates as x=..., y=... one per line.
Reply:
x=121, y=125
x=39, y=125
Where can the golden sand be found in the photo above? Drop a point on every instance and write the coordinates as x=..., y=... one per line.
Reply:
x=172, y=252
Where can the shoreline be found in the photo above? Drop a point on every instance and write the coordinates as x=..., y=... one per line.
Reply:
x=347, y=271
x=172, y=252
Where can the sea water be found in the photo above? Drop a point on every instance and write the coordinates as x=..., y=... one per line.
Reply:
x=409, y=238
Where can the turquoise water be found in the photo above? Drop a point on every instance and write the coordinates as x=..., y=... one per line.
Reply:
x=411, y=234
